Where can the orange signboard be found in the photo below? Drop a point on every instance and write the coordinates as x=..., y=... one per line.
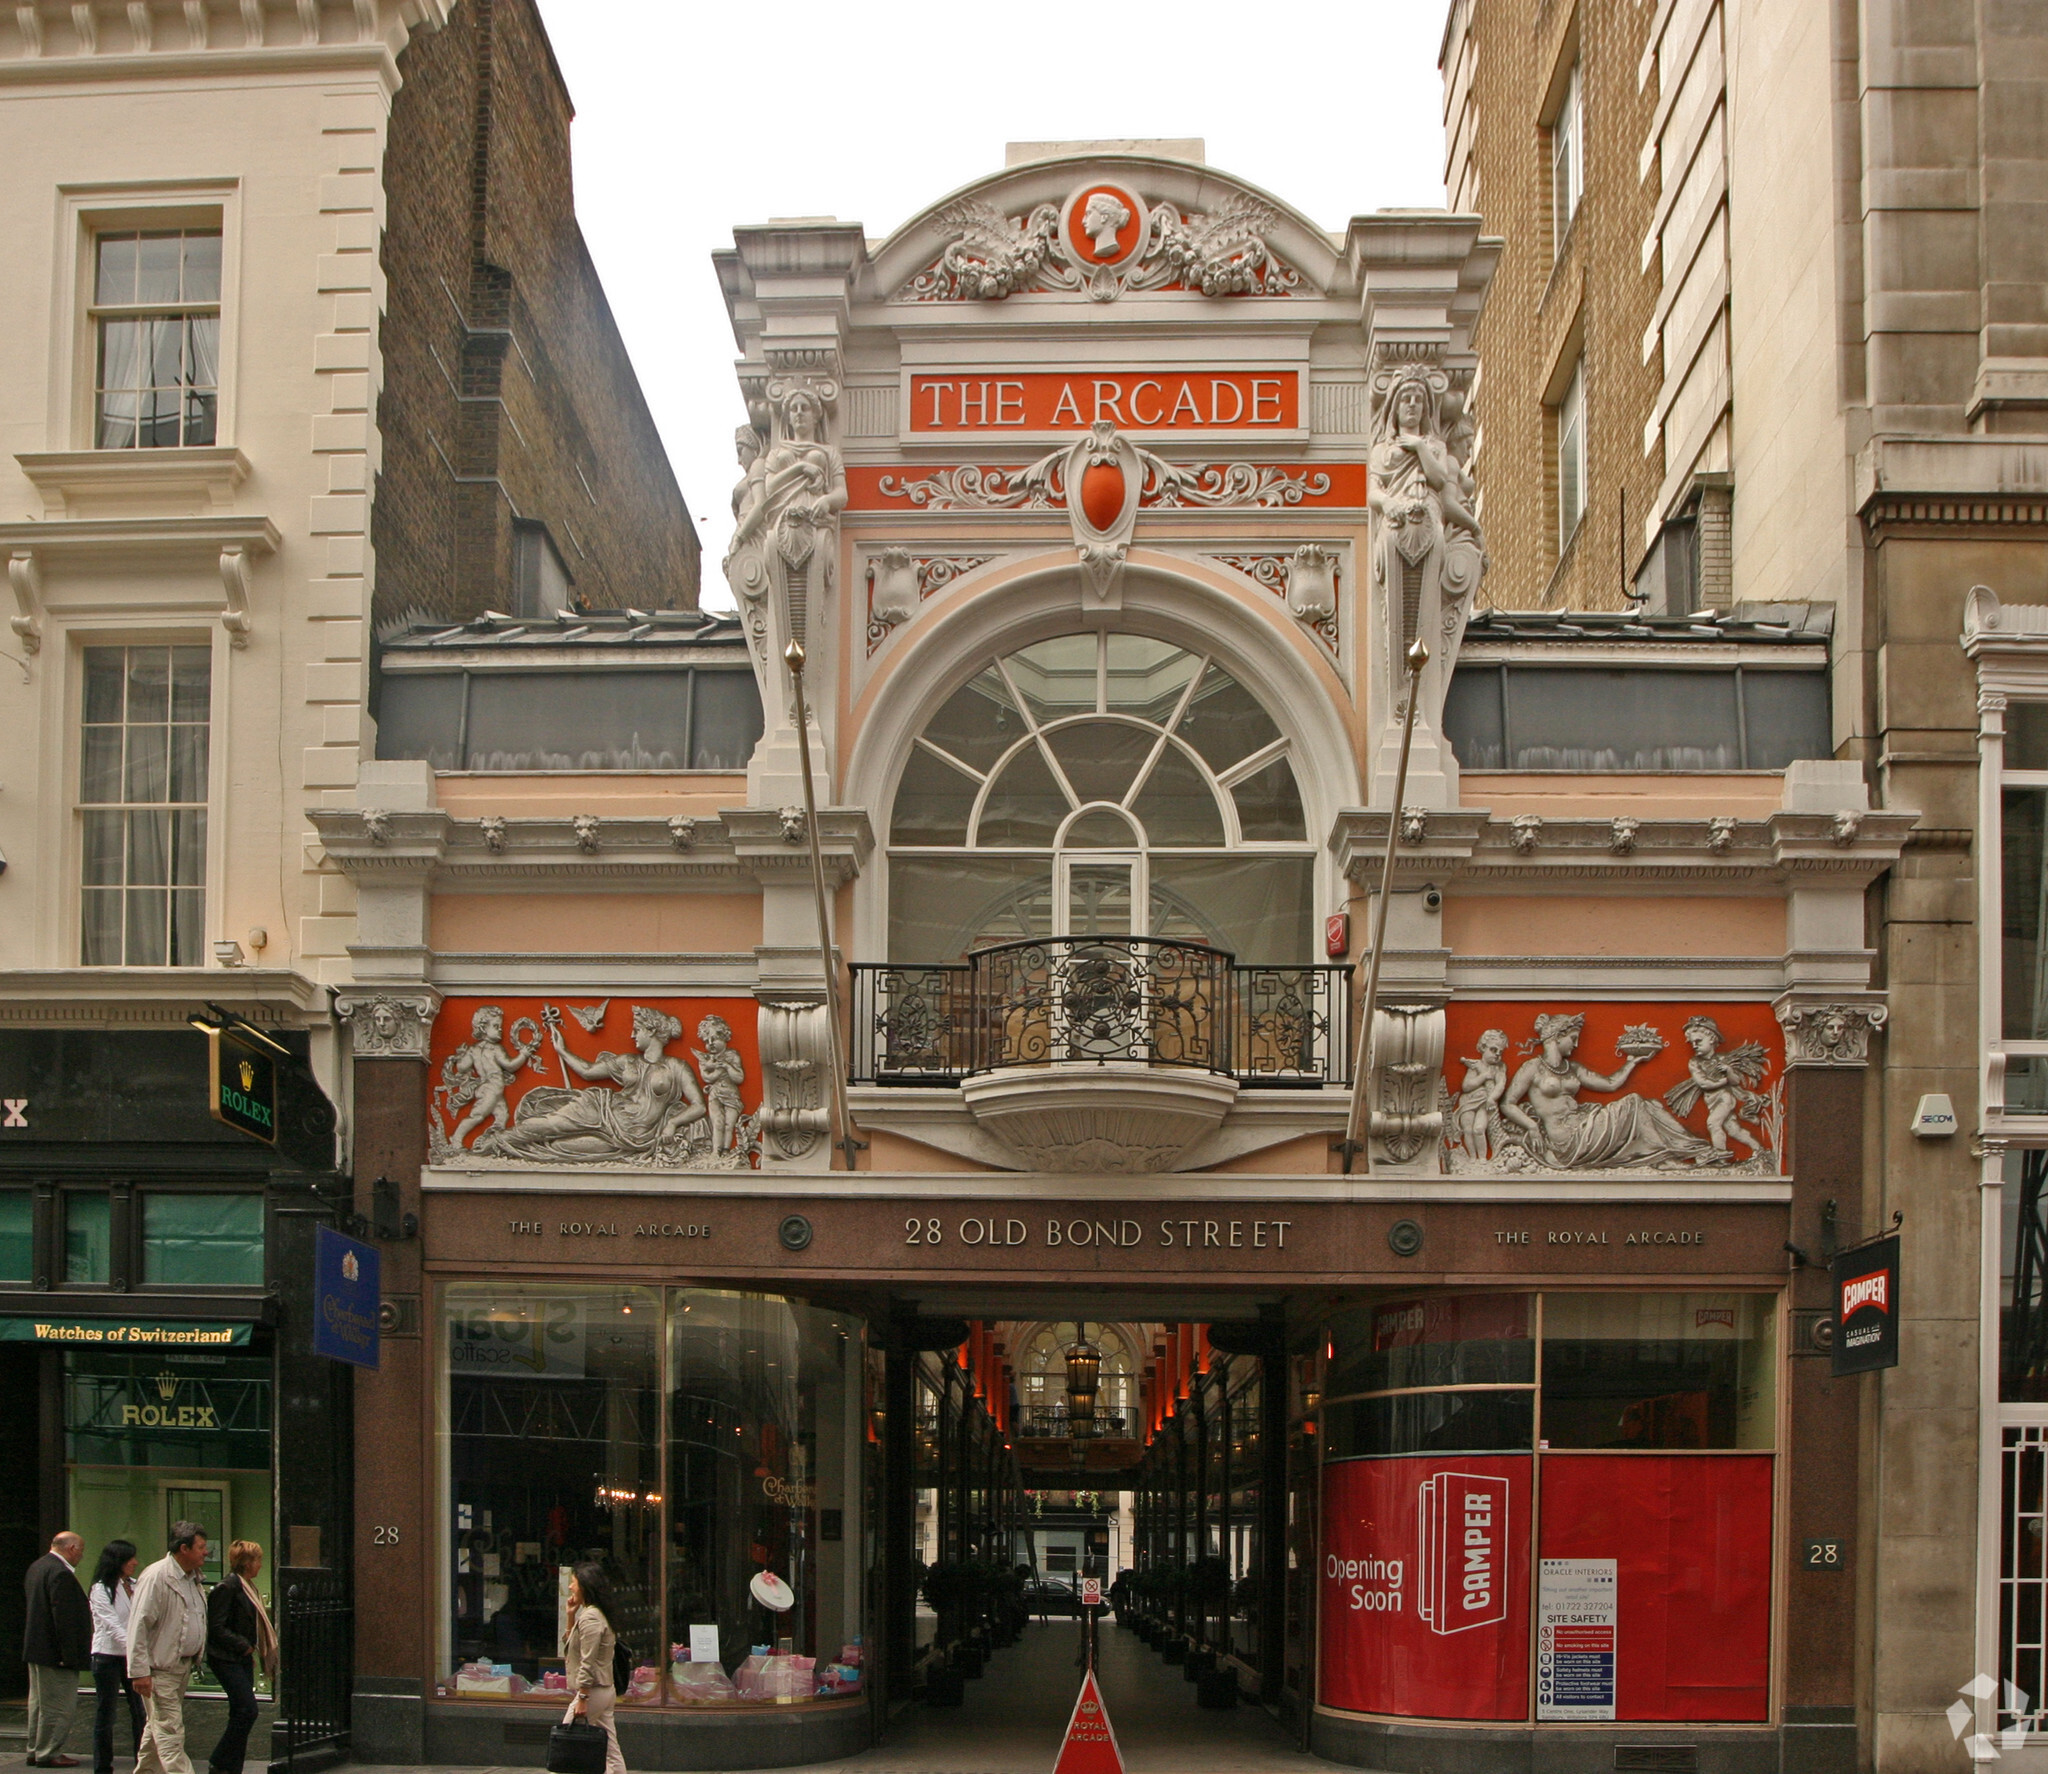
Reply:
x=1132, y=400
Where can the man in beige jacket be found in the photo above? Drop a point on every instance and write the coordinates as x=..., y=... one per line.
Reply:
x=166, y=1634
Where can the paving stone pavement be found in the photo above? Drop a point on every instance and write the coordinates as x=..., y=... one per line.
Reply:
x=1014, y=1715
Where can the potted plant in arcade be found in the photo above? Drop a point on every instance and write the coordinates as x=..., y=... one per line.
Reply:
x=1207, y=1589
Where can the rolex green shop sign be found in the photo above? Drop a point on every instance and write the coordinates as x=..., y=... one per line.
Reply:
x=244, y=1084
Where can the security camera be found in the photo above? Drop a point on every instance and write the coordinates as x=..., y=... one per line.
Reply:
x=1432, y=900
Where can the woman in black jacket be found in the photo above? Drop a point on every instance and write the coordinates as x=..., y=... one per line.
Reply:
x=238, y=1634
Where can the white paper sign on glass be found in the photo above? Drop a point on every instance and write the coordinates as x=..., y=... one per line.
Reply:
x=704, y=1644
x=1576, y=1626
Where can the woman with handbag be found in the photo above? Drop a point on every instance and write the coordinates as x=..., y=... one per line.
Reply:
x=238, y=1636
x=111, y=1595
x=587, y=1655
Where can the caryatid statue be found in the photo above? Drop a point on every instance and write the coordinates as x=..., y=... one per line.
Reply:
x=1427, y=552
x=786, y=509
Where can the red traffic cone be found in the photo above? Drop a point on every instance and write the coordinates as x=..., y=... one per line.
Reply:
x=1090, y=1746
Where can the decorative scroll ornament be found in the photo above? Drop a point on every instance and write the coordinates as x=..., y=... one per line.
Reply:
x=795, y=1056
x=644, y=1108
x=1408, y=1054
x=1042, y=485
x=388, y=1025
x=1108, y=241
x=1830, y=1034
x=1722, y=1110
x=1428, y=555
x=899, y=581
x=1308, y=580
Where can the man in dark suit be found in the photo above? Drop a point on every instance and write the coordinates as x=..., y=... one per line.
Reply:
x=57, y=1645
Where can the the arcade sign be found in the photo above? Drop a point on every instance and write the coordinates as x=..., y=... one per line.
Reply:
x=1132, y=400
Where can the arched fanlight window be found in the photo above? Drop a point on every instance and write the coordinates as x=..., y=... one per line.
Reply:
x=1042, y=1367
x=1100, y=785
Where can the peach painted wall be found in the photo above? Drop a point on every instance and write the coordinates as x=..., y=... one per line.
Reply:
x=1309, y=1155
x=1530, y=924
x=1569, y=795
x=894, y=1152
x=595, y=923
x=698, y=794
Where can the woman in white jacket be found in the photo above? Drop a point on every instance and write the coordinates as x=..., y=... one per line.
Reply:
x=587, y=1654
x=112, y=1595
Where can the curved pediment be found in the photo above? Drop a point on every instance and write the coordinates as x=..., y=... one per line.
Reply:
x=1096, y=227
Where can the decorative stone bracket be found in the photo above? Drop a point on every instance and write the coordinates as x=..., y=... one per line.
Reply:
x=1830, y=1032
x=1406, y=1122
x=388, y=1025
x=796, y=1049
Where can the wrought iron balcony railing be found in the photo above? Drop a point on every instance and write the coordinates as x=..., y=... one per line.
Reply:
x=1101, y=1000
x=1054, y=1422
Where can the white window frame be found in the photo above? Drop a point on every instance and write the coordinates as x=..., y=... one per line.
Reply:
x=1567, y=161
x=1568, y=419
x=84, y=213
x=2009, y=647
x=73, y=810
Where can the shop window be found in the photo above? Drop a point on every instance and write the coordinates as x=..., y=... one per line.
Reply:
x=1611, y=718
x=669, y=718
x=202, y=1240
x=1435, y=1340
x=1658, y=1371
x=153, y=1438
x=695, y=1445
x=1440, y=1506
x=17, y=1235
x=88, y=1237
x=142, y=795
x=1101, y=743
x=156, y=335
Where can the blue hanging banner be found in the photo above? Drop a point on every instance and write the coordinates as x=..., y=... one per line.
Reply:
x=345, y=1297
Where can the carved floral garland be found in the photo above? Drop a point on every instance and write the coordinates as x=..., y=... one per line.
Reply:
x=934, y=573
x=1041, y=486
x=1270, y=571
x=991, y=255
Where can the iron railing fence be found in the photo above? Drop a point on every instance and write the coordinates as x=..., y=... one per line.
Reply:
x=1101, y=1000
x=315, y=1655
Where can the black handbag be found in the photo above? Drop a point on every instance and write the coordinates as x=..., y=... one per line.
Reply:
x=576, y=1746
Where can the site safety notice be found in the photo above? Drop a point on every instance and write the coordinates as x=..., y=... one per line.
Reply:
x=1575, y=1638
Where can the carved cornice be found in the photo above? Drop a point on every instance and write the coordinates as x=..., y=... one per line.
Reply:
x=155, y=997
x=129, y=40
x=1467, y=844
x=772, y=843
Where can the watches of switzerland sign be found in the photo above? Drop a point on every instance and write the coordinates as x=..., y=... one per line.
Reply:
x=1425, y=1586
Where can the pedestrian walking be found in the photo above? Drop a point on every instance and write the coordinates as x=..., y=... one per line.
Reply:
x=57, y=1644
x=239, y=1636
x=166, y=1635
x=587, y=1655
x=112, y=1596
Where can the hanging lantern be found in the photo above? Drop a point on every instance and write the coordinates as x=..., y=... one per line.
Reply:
x=1084, y=1371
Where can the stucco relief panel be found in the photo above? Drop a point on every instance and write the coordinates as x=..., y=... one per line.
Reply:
x=648, y=1083
x=1618, y=1087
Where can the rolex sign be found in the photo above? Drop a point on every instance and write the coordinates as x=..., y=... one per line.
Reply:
x=243, y=1079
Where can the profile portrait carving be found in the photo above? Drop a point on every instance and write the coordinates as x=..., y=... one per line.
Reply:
x=1103, y=218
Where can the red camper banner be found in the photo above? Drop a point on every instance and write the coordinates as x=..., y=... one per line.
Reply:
x=1425, y=1586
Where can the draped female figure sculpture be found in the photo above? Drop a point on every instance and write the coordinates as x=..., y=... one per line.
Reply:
x=786, y=507
x=1427, y=551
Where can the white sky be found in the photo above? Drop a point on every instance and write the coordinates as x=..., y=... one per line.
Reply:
x=694, y=115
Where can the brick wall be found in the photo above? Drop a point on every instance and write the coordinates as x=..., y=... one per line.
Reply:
x=508, y=394
x=1504, y=66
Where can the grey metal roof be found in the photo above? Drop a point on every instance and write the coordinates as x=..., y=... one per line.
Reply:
x=607, y=629
x=1768, y=624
